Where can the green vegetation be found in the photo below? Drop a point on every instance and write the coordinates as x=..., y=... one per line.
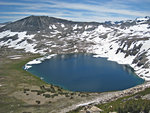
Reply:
x=129, y=104
x=11, y=78
x=132, y=104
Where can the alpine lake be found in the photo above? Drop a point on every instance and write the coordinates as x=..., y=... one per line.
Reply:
x=85, y=73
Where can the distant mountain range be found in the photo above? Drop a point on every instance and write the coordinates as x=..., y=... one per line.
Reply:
x=127, y=42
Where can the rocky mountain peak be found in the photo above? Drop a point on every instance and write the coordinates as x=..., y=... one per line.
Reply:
x=32, y=23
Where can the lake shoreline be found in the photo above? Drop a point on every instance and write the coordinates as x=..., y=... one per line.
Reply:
x=127, y=68
x=41, y=59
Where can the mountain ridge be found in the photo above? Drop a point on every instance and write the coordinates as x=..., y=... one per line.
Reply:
x=36, y=23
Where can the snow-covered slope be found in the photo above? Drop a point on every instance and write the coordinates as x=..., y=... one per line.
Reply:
x=127, y=42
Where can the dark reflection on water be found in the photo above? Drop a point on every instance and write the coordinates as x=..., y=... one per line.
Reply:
x=82, y=72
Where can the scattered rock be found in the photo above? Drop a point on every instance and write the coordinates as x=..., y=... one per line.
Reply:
x=37, y=101
x=147, y=97
x=91, y=109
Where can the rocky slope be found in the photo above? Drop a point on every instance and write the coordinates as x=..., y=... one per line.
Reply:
x=127, y=42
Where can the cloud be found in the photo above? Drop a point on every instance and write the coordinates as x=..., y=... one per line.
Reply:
x=100, y=9
x=56, y=14
x=12, y=17
x=14, y=3
x=86, y=11
x=23, y=13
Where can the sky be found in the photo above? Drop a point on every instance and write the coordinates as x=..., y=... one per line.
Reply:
x=76, y=10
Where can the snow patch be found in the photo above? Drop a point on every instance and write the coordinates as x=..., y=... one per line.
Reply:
x=54, y=27
x=38, y=61
x=102, y=29
x=2, y=26
x=75, y=27
x=62, y=25
x=15, y=56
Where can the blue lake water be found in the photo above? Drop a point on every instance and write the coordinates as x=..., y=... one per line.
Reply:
x=83, y=72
